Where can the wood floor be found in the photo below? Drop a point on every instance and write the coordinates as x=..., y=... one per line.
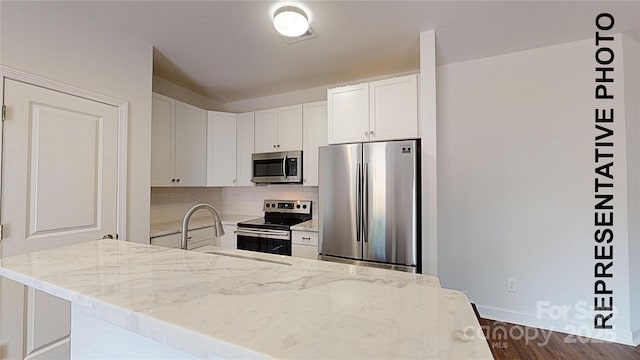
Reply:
x=508, y=341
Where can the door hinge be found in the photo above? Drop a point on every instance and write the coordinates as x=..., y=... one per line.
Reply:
x=4, y=112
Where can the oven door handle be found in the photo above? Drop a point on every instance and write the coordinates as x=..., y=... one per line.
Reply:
x=264, y=233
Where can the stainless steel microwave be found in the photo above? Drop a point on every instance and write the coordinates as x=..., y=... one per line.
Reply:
x=283, y=167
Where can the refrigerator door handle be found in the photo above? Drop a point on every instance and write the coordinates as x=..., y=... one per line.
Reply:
x=358, y=201
x=365, y=203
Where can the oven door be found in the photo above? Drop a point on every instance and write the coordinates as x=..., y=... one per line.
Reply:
x=264, y=240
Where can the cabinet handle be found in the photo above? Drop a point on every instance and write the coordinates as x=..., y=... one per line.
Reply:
x=177, y=180
x=234, y=180
x=306, y=238
x=173, y=180
x=366, y=133
x=274, y=146
x=278, y=145
x=370, y=132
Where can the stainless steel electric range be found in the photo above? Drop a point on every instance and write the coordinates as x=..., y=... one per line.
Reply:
x=272, y=233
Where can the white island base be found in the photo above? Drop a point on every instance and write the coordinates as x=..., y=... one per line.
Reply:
x=217, y=306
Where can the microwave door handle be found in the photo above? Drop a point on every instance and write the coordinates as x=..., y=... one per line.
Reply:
x=284, y=166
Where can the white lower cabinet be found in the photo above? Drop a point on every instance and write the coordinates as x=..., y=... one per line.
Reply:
x=196, y=238
x=304, y=244
x=230, y=238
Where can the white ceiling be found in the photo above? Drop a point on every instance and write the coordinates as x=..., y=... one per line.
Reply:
x=229, y=51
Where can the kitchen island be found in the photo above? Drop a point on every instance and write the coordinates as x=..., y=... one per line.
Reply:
x=227, y=305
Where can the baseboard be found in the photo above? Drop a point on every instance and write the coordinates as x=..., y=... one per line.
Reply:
x=566, y=326
x=636, y=336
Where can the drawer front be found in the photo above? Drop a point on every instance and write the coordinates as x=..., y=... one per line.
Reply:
x=304, y=251
x=305, y=238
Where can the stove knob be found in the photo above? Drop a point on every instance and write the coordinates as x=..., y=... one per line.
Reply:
x=268, y=205
x=298, y=206
x=304, y=206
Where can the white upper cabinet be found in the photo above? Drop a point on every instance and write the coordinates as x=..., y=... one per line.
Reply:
x=348, y=114
x=278, y=129
x=244, y=148
x=221, y=167
x=266, y=128
x=314, y=135
x=376, y=111
x=393, y=108
x=190, y=145
x=290, y=128
x=178, y=143
x=162, y=152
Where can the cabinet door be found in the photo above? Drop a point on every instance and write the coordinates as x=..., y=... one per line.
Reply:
x=348, y=114
x=48, y=320
x=304, y=244
x=230, y=237
x=190, y=145
x=162, y=123
x=244, y=149
x=221, y=143
x=266, y=128
x=171, y=241
x=290, y=128
x=393, y=108
x=314, y=135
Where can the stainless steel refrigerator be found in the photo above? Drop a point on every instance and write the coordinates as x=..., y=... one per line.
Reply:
x=370, y=203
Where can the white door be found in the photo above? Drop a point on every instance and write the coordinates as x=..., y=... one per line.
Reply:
x=190, y=145
x=59, y=186
x=393, y=108
x=244, y=149
x=60, y=169
x=162, y=140
x=266, y=131
x=290, y=128
x=221, y=143
x=348, y=114
x=314, y=129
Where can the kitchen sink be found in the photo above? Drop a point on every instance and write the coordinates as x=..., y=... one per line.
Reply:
x=248, y=257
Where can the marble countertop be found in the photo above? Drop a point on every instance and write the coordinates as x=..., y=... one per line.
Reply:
x=229, y=306
x=311, y=225
x=175, y=227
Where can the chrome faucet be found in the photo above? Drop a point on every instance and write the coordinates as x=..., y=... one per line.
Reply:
x=218, y=230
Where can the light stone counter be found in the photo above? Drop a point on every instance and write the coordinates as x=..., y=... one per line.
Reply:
x=211, y=305
x=311, y=225
x=175, y=227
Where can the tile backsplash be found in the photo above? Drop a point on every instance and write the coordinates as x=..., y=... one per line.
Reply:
x=170, y=204
x=248, y=200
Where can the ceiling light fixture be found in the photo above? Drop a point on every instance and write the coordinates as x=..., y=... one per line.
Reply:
x=291, y=21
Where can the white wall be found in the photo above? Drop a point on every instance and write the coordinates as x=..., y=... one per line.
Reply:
x=294, y=97
x=427, y=127
x=516, y=185
x=166, y=88
x=170, y=204
x=631, y=50
x=47, y=40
